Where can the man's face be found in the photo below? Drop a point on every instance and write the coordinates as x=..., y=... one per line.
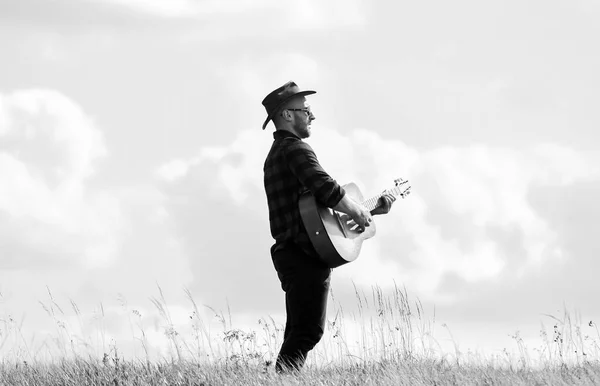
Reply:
x=302, y=116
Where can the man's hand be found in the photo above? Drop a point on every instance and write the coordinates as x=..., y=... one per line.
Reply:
x=354, y=211
x=362, y=217
x=384, y=204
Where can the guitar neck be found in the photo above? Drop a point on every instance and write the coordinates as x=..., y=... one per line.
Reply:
x=373, y=202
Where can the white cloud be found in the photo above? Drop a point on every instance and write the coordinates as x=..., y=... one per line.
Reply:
x=173, y=8
x=173, y=170
x=38, y=118
x=324, y=14
x=190, y=8
x=457, y=194
x=308, y=14
x=253, y=80
x=236, y=167
x=461, y=195
x=49, y=147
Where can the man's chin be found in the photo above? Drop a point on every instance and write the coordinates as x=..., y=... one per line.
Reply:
x=304, y=133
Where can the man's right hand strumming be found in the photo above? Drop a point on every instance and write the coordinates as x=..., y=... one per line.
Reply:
x=359, y=214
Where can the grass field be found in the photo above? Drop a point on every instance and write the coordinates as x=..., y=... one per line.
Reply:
x=386, y=340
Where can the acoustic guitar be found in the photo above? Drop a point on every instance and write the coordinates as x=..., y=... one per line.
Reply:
x=335, y=235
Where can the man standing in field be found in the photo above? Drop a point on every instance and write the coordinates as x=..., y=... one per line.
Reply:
x=291, y=167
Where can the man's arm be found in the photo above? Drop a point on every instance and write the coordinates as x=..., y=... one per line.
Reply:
x=304, y=164
x=360, y=214
x=356, y=211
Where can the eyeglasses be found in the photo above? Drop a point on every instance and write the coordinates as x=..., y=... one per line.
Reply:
x=306, y=110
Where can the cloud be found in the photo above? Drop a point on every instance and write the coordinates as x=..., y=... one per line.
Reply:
x=470, y=208
x=36, y=117
x=63, y=234
x=233, y=176
x=174, y=170
x=214, y=202
x=252, y=79
x=305, y=15
x=188, y=8
x=469, y=218
x=325, y=14
x=49, y=148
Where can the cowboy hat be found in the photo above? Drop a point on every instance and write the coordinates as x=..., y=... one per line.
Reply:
x=279, y=96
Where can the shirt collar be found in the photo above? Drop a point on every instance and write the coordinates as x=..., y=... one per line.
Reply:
x=281, y=134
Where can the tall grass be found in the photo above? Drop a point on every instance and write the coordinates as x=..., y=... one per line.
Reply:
x=386, y=339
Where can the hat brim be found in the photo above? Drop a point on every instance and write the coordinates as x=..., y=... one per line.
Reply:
x=275, y=110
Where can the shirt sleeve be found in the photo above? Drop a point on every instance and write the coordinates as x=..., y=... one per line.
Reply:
x=303, y=163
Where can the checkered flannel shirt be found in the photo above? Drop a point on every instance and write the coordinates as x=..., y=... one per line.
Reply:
x=291, y=168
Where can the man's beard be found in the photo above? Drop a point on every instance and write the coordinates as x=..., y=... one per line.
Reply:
x=303, y=130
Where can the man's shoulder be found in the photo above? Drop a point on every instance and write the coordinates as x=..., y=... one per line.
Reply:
x=285, y=146
x=293, y=143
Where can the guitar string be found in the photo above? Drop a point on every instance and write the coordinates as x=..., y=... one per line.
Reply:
x=372, y=202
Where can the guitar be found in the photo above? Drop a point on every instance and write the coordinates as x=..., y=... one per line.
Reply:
x=335, y=235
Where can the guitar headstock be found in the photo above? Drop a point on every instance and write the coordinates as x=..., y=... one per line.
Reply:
x=401, y=188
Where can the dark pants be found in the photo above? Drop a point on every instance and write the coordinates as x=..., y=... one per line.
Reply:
x=305, y=280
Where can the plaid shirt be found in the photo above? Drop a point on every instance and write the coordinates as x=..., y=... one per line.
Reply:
x=290, y=169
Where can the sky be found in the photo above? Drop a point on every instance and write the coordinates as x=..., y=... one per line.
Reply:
x=131, y=156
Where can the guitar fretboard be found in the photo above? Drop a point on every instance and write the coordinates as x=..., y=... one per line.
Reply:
x=373, y=202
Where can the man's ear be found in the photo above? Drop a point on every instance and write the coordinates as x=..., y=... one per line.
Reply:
x=286, y=115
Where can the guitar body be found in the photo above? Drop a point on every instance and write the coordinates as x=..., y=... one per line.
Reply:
x=331, y=232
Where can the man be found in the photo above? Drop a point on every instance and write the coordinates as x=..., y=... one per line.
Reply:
x=291, y=167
